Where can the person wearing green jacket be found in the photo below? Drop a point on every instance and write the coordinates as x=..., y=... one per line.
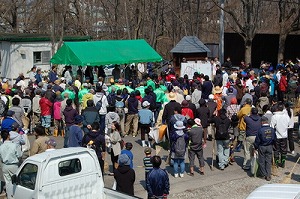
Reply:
x=141, y=88
x=70, y=92
x=150, y=82
x=82, y=92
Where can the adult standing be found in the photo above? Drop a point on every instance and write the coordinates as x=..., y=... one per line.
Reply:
x=116, y=72
x=101, y=103
x=32, y=74
x=132, y=117
x=90, y=115
x=253, y=123
x=196, y=95
x=53, y=74
x=203, y=113
x=290, y=113
x=75, y=132
x=16, y=108
x=158, y=184
x=68, y=74
x=207, y=87
x=178, y=148
x=39, y=145
x=264, y=141
x=196, y=142
x=9, y=154
x=46, y=111
x=222, y=137
x=69, y=116
x=124, y=175
x=96, y=141
x=170, y=107
x=280, y=122
x=244, y=111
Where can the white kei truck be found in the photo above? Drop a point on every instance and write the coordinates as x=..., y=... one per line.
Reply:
x=68, y=173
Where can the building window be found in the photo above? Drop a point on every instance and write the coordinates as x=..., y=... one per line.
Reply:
x=68, y=167
x=27, y=177
x=41, y=57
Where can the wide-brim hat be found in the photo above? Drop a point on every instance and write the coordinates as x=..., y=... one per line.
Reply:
x=78, y=119
x=198, y=121
x=179, y=125
x=217, y=89
x=172, y=96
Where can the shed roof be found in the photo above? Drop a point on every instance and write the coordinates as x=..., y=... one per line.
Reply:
x=24, y=37
x=190, y=44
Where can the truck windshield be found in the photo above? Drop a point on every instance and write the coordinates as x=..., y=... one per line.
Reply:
x=27, y=177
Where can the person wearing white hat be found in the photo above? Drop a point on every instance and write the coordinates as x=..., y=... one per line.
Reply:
x=145, y=120
x=178, y=148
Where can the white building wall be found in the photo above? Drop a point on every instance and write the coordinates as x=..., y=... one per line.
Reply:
x=18, y=57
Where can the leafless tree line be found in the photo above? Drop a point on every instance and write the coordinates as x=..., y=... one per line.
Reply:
x=161, y=22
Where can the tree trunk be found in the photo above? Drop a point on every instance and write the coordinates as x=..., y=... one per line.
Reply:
x=248, y=49
x=281, y=48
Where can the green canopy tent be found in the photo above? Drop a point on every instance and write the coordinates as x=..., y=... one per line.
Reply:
x=96, y=53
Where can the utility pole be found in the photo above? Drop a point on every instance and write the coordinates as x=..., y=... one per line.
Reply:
x=221, y=45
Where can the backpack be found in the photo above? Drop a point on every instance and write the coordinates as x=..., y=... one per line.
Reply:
x=234, y=120
x=120, y=108
x=180, y=146
x=222, y=133
x=111, y=99
x=2, y=107
x=99, y=104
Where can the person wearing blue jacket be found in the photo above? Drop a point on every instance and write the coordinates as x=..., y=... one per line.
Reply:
x=158, y=184
x=264, y=141
x=253, y=124
x=145, y=121
x=8, y=121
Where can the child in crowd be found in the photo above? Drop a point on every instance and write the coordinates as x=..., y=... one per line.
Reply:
x=127, y=151
x=147, y=162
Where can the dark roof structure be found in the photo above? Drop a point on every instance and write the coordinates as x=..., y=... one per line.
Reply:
x=26, y=37
x=190, y=44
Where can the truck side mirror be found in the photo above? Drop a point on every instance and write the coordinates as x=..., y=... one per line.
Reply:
x=14, y=179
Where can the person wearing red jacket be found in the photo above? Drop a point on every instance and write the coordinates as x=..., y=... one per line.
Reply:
x=186, y=111
x=45, y=107
x=282, y=86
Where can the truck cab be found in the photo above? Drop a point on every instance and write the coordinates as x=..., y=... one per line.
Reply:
x=63, y=173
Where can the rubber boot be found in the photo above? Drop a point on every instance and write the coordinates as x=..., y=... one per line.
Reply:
x=283, y=157
x=276, y=161
x=55, y=132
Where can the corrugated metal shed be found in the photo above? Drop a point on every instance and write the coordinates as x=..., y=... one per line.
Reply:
x=190, y=44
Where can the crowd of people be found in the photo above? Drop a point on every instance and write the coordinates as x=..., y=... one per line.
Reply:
x=236, y=108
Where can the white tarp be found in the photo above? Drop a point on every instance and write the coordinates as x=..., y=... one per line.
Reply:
x=191, y=67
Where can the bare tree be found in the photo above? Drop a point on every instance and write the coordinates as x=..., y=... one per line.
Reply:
x=289, y=21
x=246, y=21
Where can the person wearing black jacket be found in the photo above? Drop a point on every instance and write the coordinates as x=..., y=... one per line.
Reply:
x=222, y=123
x=124, y=175
x=264, y=141
x=90, y=115
x=132, y=116
x=95, y=140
